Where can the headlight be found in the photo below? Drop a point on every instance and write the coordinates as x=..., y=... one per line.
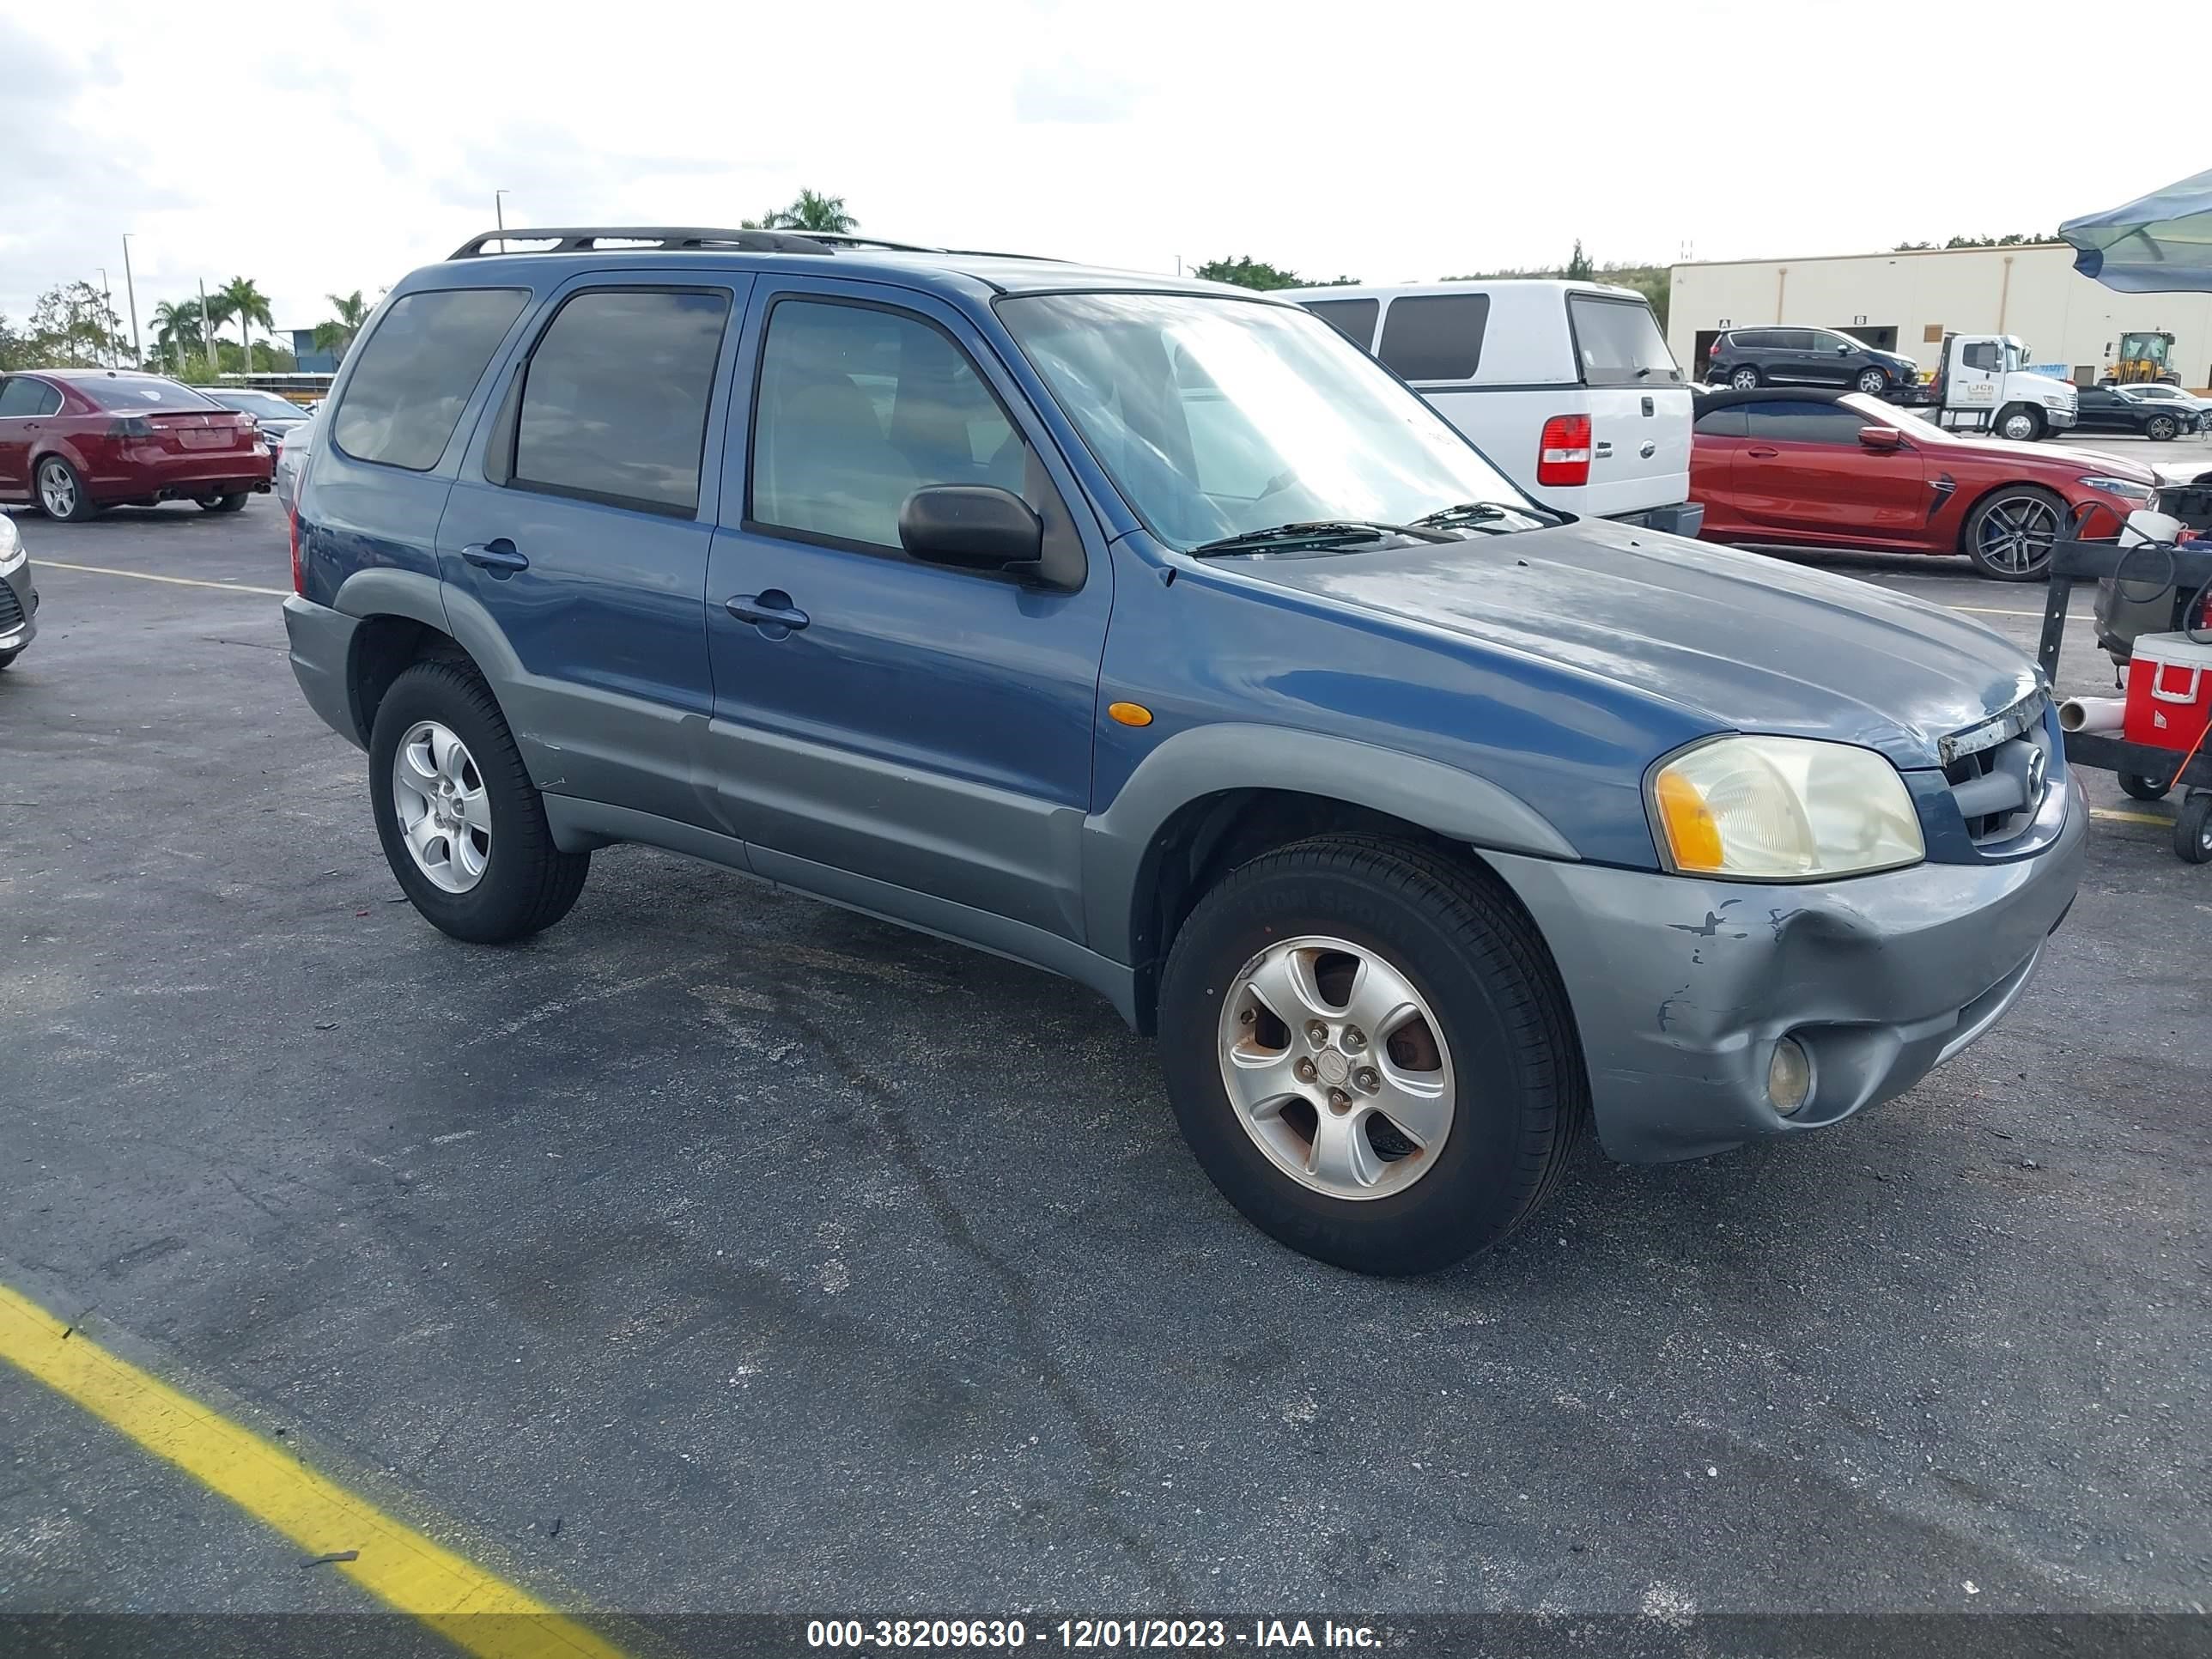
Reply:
x=1782, y=809
x=12, y=551
x=2126, y=489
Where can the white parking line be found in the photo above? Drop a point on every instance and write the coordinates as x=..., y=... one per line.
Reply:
x=147, y=576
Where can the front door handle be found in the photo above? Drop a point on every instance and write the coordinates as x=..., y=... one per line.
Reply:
x=499, y=557
x=1762, y=455
x=770, y=610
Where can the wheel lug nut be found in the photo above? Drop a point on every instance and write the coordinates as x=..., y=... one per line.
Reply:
x=1354, y=1039
x=1317, y=1033
x=1306, y=1071
x=1339, y=1101
x=1245, y=1017
x=1370, y=1081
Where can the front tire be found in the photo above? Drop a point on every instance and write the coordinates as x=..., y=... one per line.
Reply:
x=463, y=827
x=60, y=492
x=2141, y=787
x=1370, y=1054
x=2192, y=829
x=222, y=503
x=2161, y=428
x=7, y=658
x=2019, y=424
x=1873, y=381
x=2009, y=537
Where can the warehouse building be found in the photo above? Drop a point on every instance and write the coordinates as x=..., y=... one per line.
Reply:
x=1907, y=302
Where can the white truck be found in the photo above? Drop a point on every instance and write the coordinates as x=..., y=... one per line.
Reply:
x=1567, y=388
x=1983, y=382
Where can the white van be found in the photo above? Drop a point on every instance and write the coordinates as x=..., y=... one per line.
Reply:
x=1568, y=387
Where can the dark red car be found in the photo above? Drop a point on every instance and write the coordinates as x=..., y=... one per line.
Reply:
x=1844, y=470
x=77, y=439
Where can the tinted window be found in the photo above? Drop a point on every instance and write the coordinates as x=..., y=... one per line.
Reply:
x=416, y=371
x=1352, y=319
x=1982, y=354
x=1786, y=422
x=615, y=395
x=1791, y=339
x=857, y=410
x=143, y=393
x=1721, y=424
x=1752, y=339
x=1618, y=342
x=1435, y=337
x=21, y=397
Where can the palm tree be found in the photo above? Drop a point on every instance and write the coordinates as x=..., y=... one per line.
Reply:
x=177, y=330
x=241, y=299
x=811, y=211
x=336, y=336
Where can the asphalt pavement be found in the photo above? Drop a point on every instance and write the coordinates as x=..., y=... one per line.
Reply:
x=717, y=1250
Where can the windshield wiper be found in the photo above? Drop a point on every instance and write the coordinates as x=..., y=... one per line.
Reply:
x=1319, y=529
x=1469, y=515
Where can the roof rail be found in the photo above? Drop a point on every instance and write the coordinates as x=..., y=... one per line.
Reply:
x=853, y=239
x=639, y=239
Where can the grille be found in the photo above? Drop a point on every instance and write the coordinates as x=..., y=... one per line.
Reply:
x=2000, y=771
x=11, y=610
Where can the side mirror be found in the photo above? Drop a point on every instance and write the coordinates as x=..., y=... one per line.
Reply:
x=971, y=528
x=1845, y=350
x=1885, y=438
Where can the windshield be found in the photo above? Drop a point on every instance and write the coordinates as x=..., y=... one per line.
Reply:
x=1918, y=427
x=2015, y=355
x=1220, y=417
x=266, y=404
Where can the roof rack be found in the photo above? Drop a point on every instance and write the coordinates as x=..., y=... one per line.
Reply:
x=626, y=239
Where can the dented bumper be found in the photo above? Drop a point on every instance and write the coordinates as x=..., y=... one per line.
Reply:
x=1680, y=987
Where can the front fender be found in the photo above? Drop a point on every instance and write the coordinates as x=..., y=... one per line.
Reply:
x=1213, y=760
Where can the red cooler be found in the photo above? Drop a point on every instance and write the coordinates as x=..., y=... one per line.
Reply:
x=2169, y=691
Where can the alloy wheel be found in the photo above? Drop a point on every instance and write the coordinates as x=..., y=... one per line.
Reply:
x=1336, y=1068
x=2021, y=429
x=1872, y=382
x=2017, y=533
x=1745, y=380
x=444, y=816
x=56, y=490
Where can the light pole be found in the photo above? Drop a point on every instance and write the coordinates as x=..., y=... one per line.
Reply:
x=137, y=352
x=499, y=217
x=107, y=300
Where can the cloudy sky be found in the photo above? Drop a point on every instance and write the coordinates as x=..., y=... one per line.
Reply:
x=318, y=150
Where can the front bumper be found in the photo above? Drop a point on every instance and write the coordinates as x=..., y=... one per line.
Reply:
x=322, y=661
x=2058, y=419
x=1681, y=987
x=1683, y=519
x=19, y=610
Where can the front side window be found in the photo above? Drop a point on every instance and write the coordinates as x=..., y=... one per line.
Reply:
x=415, y=375
x=1984, y=354
x=1435, y=337
x=1216, y=417
x=1620, y=343
x=615, y=397
x=858, y=408
x=1788, y=422
x=1792, y=339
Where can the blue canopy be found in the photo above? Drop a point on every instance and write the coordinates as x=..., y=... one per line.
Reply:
x=2161, y=244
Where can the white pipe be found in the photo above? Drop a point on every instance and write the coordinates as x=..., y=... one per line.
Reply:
x=2092, y=714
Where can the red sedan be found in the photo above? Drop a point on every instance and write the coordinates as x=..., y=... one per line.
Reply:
x=1829, y=470
x=77, y=439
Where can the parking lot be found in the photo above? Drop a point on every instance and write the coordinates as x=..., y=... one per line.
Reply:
x=719, y=1251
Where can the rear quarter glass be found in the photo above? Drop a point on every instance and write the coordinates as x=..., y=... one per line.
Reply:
x=418, y=371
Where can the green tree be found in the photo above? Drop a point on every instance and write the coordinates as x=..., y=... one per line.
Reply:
x=811, y=211
x=177, y=332
x=241, y=299
x=73, y=327
x=337, y=336
x=15, y=349
x=1579, y=268
x=1245, y=272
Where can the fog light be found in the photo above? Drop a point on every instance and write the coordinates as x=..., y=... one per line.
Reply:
x=1789, y=1075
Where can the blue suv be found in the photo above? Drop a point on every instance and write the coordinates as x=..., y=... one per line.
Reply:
x=1147, y=631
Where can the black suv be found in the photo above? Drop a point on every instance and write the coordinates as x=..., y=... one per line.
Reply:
x=1747, y=357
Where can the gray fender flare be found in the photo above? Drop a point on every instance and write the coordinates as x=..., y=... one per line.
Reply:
x=1210, y=760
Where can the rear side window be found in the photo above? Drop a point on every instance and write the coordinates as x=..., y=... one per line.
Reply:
x=417, y=371
x=1435, y=337
x=1721, y=424
x=142, y=394
x=1787, y=421
x=858, y=408
x=26, y=397
x=1752, y=339
x=1618, y=342
x=614, y=399
x=1352, y=319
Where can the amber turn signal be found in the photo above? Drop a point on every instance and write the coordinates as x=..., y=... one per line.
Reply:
x=1130, y=714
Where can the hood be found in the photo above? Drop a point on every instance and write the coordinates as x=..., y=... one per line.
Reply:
x=2096, y=461
x=1751, y=643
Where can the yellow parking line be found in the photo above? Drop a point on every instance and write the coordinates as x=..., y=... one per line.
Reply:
x=395, y=1563
x=2114, y=816
x=177, y=581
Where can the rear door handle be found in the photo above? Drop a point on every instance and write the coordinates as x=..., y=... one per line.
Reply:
x=498, y=556
x=770, y=610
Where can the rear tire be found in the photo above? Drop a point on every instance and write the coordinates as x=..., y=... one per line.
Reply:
x=526, y=883
x=1489, y=1012
x=1745, y=378
x=2141, y=787
x=222, y=503
x=2009, y=537
x=60, y=492
x=2192, y=829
